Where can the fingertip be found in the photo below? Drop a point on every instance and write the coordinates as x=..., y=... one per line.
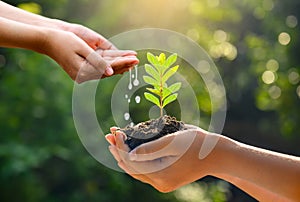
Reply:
x=109, y=71
x=121, y=136
x=113, y=129
x=111, y=139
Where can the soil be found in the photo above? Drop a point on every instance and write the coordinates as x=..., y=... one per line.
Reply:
x=151, y=130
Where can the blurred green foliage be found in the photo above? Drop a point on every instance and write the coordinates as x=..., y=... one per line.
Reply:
x=255, y=45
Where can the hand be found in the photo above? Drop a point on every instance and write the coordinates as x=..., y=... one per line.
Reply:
x=167, y=163
x=92, y=38
x=80, y=61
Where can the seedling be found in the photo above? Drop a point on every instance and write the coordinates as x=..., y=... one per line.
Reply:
x=159, y=71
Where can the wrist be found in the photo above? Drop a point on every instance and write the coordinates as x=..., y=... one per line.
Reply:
x=43, y=40
x=221, y=154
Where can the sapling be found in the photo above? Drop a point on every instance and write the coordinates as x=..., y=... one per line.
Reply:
x=159, y=71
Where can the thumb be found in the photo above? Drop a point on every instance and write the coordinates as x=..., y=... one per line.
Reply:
x=170, y=145
x=98, y=62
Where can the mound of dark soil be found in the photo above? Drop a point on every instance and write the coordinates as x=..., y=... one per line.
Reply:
x=151, y=130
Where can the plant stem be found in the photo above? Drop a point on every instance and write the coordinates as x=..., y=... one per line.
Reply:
x=161, y=95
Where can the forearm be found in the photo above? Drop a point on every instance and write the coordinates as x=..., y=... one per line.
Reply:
x=259, y=193
x=257, y=170
x=16, y=14
x=18, y=35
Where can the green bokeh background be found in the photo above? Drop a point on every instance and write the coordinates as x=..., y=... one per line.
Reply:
x=254, y=44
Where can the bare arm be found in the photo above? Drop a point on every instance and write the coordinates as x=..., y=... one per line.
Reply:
x=81, y=52
x=266, y=175
x=18, y=35
x=16, y=14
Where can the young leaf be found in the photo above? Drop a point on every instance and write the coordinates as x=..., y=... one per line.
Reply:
x=152, y=72
x=171, y=60
x=149, y=80
x=169, y=99
x=152, y=59
x=169, y=73
x=162, y=58
x=154, y=91
x=175, y=87
x=166, y=92
x=152, y=98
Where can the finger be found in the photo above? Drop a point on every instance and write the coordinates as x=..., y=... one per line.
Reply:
x=133, y=173
x=120, y=138
x=115, y=53
x=114, y=151
x=151, y=166
x=148, y=151
x=106, y=44
x=124, y=61
x=113, y=129
x=99, y=64
x=86, y=72
x=111, y=139
x=174, y=144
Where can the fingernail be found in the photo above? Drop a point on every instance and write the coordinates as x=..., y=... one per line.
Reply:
x=109, y=71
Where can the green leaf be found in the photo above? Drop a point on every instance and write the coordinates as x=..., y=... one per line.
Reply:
x=175, y=87
x=161, y=58
x=171, y=60
x=170, y=99
x=150, y=80
x=169, y=73
x=152, y=98
x=166, y=92
x=152, y=59
x=152, y=72
x=154, y=91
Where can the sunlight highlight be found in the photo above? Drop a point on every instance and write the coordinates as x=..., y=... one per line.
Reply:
x=284, y=38
x=291, y=21
x=274, y=92
x=268, y=77
x=294, y=77
x=272, y=65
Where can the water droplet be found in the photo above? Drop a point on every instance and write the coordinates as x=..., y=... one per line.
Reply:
x=136, y=82
x=137, y=99
x=131, y=124
x=132, y=76
x=126, y=96
x=128, y=100
x=126, y=116
x=130, y=85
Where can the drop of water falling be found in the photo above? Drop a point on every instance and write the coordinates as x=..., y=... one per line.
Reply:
x=130, y=84
x=137, y=99
x=131, y=124
x=126, y=116
x=126, y=96
x=132, y=76
x=136, y=82
x=128, y=100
